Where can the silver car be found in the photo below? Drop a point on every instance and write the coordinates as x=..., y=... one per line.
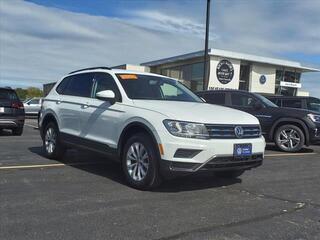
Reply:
x=32, y=106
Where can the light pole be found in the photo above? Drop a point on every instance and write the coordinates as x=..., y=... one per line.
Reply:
x=206, y=50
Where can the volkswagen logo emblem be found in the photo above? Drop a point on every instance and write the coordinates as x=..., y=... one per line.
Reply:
x=238, y=131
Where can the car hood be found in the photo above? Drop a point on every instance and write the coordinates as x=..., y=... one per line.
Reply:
x=197, y=112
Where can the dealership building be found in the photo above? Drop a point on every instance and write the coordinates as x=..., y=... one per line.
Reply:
x=233, y=70
x=229, y=70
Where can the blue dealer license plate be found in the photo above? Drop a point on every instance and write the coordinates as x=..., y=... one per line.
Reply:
x=244, y=149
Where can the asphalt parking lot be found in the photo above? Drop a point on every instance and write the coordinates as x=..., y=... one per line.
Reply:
x=85, y=197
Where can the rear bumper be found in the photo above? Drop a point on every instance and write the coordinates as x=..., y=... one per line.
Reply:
x=11, y=122
x=217, y=163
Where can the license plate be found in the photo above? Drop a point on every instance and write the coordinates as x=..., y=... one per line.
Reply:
x=1, y=109
x=244, y=149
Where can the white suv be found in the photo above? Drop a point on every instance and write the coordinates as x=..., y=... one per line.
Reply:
x=153, y=124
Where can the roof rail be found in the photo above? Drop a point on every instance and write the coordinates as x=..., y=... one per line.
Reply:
x=91, y=68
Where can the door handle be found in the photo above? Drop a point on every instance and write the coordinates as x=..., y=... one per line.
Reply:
x=86, y=105
x=58, y=101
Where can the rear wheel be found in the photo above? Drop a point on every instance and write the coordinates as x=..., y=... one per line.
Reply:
x=140, y=162
x=52, y=145
x=229, y=174
x=17, y=131
x=289, y=138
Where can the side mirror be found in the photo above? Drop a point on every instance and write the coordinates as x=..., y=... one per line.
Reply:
x=257, y=105
x=106, y=95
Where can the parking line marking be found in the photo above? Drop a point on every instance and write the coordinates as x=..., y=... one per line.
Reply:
x=29, y=125
x=47, y=165
x=288, y=154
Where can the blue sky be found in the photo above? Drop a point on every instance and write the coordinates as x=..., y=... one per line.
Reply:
x=34, y=34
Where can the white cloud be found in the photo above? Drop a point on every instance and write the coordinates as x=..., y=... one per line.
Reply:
x=39, y=44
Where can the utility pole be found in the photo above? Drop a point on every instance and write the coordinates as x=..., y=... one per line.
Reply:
x=206, y=53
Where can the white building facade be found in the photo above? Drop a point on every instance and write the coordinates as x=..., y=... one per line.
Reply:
x=232, y=70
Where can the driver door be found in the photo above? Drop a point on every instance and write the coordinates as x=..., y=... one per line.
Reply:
x=100, y=119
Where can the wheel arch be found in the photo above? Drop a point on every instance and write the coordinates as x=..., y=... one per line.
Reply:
x=131, y=129
x=49, y=117
x=293, y=121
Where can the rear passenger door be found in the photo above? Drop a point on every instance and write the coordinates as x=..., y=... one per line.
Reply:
x=100, y=120
x=73, y=100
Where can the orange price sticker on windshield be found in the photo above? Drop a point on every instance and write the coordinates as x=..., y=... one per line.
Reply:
x=128, y=76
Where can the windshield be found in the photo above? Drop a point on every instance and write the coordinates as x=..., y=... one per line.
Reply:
x=265, y=101
x=149, y=87
x=313, y=104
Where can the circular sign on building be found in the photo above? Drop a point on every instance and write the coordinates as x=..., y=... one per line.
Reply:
x=225, y=71
x=262, y=79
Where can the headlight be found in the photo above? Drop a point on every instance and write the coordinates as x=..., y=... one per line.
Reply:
x=186, y=129
x=314, y=117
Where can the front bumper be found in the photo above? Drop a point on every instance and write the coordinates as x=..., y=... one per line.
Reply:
x=183, y=155
x=222, y=163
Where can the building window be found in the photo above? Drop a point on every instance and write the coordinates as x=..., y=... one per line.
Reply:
x=244, y=77
x=190, y=75
x=286, y=76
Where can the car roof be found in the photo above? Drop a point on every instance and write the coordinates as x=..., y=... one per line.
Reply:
x=223, y=90
x=293, y=97
x=113, y=70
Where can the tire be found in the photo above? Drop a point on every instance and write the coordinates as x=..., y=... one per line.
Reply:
x=52, y=145
x=289, y=138
x=229, y=174
x=140, y=162
x=17, y=131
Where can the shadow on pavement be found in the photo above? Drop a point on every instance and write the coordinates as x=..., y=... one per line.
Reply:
x=5, y=133
x=105, y=167
x=272, y=147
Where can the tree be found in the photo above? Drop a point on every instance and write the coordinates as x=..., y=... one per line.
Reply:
x=30, y=92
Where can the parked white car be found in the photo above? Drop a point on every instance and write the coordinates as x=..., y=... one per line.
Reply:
x=32, y=106
x=154, y=125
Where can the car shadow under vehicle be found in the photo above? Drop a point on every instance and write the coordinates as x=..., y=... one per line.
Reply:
x=273, y=147
x=100, y=165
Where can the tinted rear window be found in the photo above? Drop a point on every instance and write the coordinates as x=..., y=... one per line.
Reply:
x=76, y=85
x=8, y=95
x=292, y=103
x=215, y=98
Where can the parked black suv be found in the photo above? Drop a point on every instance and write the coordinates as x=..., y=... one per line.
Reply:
x=308, y=103
x=11, y=111
x=289, y=128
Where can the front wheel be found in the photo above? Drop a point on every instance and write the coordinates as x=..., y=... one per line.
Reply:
x=140, y=162
x=289, y=138
x=51, y=142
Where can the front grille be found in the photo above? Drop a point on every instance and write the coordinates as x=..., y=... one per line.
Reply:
x=228, y=131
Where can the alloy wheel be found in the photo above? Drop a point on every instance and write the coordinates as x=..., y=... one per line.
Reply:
x=289, y=139
x=137, y=160
x=50, y=140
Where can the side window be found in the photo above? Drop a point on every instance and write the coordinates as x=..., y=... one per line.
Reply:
x=242, y=100
x=62, y=86
x=292, y=103
x=169, y=91
x=215, y=98
x=105, y=81
x=34, y=101
x=275, y=101
x=313, y=104
x=80, y=85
